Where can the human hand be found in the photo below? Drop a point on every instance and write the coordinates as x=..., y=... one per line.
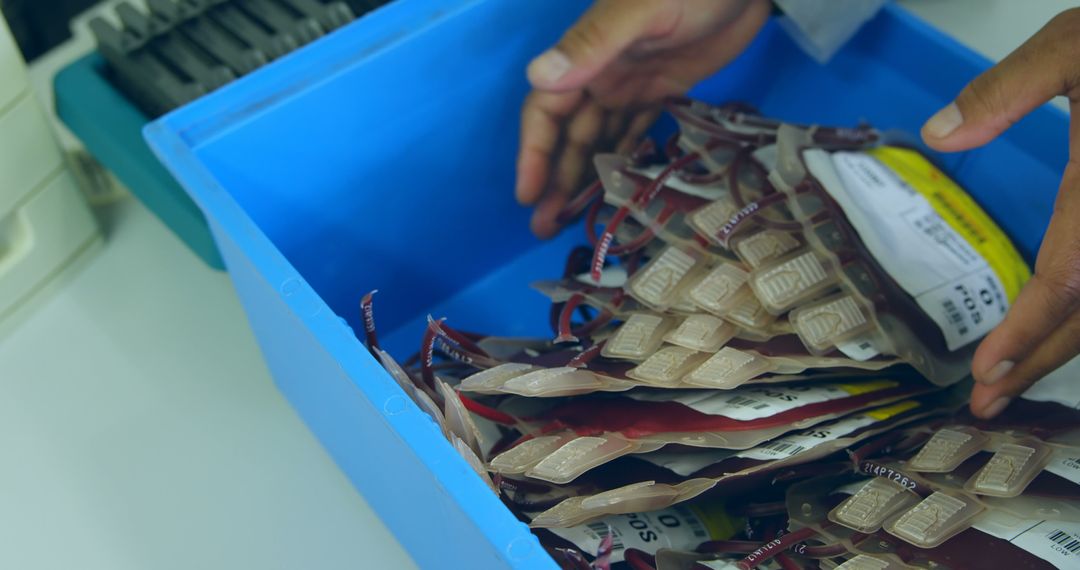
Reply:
x=1042, y=329
x=600, y=88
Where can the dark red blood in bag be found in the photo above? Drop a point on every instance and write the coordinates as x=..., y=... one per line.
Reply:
x=634, y=418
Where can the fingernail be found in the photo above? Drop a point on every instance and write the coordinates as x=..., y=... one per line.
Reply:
x=997, y=372
x=549, y=66
x=995, y=408
x=944, y=122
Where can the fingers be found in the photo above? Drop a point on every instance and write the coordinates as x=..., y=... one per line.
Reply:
x=544, y=223
x=1060, y=347
x=1045, y=66
x=639, y=124
x=1042, y=328
x=563, y=121
x=1041, y=307
x=582, y=134
x=615, y=126
x=602, y=34
x=542, y=120
x=591, y=129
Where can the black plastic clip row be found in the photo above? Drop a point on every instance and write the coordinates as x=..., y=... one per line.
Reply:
x=181, y=49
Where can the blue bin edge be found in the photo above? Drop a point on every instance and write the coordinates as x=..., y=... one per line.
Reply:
x=487, y=535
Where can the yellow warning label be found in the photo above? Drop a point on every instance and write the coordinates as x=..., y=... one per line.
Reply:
x=962, y=214
x=889, y=411
x=867, y=387
x=720, y=524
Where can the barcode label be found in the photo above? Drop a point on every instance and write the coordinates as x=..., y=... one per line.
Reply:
x=1065, y=540
x=602, y=530
x=860, y=349
x=744, y=402
x=796, y=443
x=782, y=448
x=954, y=315
x=791, y=449
x=1057, y=542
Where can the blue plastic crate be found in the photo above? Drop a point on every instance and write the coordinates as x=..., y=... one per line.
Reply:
x=383, y=157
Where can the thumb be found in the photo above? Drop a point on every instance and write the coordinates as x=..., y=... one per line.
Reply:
x=602, y=34
x=1033, y=74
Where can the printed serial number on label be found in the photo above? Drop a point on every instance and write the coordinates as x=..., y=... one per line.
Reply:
x=871, y=468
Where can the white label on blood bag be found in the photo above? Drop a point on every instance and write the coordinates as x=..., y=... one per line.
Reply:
x=1057, y=542
x=685, y=463
x=678, y=528
x=861, y=349
x=746, y=404
x=1058, y=386
x=710, y=192
x=1066, y=463
x=930, y=260
x=795, y=443
x=610, y=277
x=967, y=308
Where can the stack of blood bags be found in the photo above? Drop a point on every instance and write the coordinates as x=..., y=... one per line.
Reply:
x=753, y=365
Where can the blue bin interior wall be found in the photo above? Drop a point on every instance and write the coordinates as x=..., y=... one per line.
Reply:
x=398, y=173
x=382, y=157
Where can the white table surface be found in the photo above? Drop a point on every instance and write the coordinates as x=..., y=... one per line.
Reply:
x=140, y=428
